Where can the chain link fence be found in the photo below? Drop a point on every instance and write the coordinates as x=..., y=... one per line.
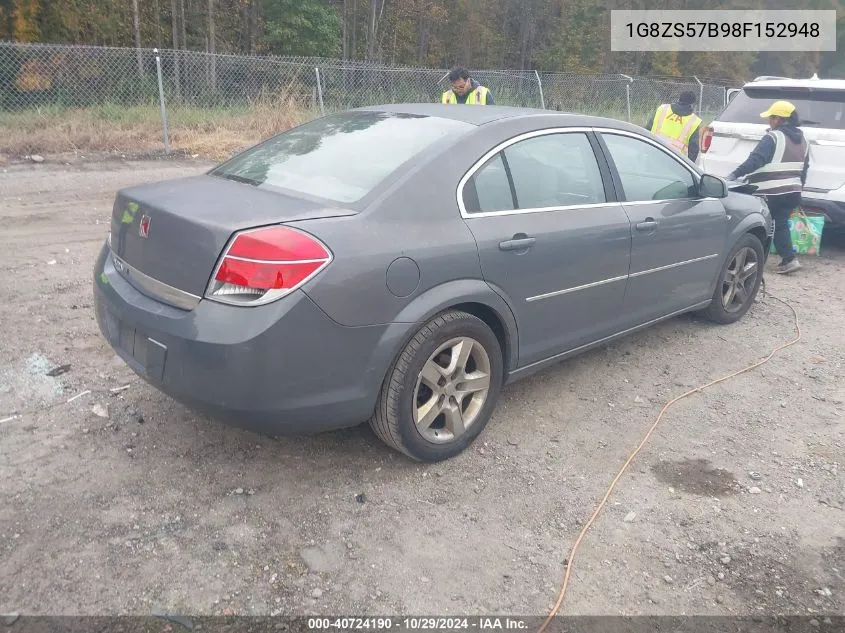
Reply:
x=631, y=99
x=202, y=92
x=600, y=95
x=711, y=99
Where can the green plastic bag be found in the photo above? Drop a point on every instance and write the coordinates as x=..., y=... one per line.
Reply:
x=806, y=231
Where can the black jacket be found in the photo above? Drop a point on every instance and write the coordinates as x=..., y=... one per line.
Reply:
x=765, y=152
x=682, y=109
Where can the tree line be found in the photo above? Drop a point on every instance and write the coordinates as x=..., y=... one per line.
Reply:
x=547, y=35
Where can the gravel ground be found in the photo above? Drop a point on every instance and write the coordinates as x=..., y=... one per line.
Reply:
x=736, y=506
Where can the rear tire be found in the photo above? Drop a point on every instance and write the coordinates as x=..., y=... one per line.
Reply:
x=739, y=281
x=442, y=389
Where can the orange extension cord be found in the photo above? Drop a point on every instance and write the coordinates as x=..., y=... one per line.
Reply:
x=574, y=550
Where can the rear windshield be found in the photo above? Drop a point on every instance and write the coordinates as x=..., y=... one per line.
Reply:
x=824, y=109
x=340, y=157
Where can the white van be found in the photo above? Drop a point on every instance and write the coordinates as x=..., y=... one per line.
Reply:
x=728, y=141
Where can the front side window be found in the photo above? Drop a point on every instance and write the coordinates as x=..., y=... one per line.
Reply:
x=648, y=173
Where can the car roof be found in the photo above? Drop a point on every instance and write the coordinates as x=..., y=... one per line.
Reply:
x=489, y=114
x=823, y=84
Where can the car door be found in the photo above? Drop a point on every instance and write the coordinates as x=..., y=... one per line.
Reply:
x=550, y=237
x=677, y=236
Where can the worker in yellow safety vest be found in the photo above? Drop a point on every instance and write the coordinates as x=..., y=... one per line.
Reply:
x=466, y=90
x=677, y=125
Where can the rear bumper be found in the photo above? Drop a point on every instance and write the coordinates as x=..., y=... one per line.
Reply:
x=833, y=210
x=283, y=368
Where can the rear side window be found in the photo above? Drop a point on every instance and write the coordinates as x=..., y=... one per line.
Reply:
x=492, y=187
x=341, y=157
x=819, y=108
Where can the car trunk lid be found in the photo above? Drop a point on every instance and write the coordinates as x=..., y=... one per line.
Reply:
x=175, y=231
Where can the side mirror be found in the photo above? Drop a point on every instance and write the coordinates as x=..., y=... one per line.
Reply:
x=712, y=187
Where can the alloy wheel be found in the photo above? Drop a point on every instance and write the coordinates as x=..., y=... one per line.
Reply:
x=451, y=389
x=740, y=279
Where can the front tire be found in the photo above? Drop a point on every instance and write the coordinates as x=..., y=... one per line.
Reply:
x=441, y=391
x=739, y=281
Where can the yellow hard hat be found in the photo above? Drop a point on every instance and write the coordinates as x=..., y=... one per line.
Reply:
x=783, y=109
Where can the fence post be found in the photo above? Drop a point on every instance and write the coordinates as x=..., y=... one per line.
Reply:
x=320, y=92
x=540, y=84
x=628, y=94
x=700, y=93
x=161, y=102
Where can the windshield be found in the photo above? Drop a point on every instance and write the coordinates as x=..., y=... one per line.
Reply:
x=823, y=109
x=340, y=157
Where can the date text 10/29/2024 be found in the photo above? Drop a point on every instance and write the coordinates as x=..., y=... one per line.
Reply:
x=417, y=624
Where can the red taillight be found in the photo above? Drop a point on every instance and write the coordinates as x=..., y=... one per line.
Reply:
x=706, y=138
x=262, y=265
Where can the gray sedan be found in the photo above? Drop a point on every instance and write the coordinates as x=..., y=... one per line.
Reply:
x=401, y=264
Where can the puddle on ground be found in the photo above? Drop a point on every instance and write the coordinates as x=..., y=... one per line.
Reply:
x=696, y=476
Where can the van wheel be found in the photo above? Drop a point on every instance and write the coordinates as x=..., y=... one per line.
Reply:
x=441, y=391
x=739, y=281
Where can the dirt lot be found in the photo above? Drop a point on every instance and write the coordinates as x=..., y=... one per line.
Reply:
x=739, y=497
